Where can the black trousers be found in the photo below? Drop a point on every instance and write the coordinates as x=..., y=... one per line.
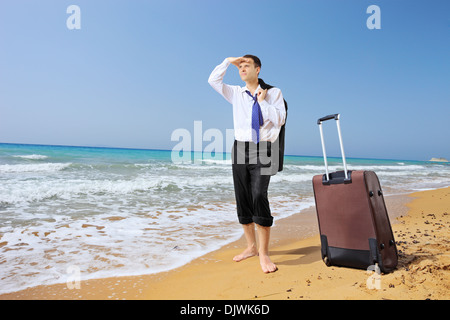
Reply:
x=250, y=186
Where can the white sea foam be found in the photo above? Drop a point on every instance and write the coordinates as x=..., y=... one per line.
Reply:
x=218, y=161
x=22, y=191
x=38, y=167
x=31, y=190
x=332, y=168
x=118, y=243
x=104, y=246
x=32, y=156
x=291, y=177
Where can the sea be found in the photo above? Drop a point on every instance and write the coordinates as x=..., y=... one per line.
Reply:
x=120, y=212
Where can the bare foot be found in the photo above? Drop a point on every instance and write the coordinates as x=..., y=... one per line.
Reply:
x=266, y=264
x=247, y=253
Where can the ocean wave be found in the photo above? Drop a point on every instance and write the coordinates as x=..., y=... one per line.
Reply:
x=26, y=191
x=355, y=167
x=221, y=162
x=41, y=167
x=376, y=168
x=32, y=156
x=31, y=191
x=291, y=178
x=205, y=164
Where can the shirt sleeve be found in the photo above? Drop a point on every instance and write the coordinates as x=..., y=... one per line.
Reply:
x=216, y=81
x=273, y=108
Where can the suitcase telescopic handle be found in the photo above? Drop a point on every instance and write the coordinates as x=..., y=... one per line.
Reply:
x=319, y=122
x=329, y=117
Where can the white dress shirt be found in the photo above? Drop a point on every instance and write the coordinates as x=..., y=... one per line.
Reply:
x=272, y=108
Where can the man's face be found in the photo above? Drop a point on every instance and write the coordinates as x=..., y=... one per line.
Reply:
x=248, y=71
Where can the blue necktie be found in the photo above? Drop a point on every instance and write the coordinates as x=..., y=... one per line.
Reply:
x=257, y=118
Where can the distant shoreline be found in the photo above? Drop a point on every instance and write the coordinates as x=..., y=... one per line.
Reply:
x=438, y=160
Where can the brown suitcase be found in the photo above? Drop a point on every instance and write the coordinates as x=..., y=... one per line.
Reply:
x=354, y=225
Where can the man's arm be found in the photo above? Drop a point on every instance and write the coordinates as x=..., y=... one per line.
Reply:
x=216, y=81
x=272, y=106
x=238, y=60
x=216, y=77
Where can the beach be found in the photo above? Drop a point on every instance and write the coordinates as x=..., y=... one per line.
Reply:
x=420, y=224
x=114, y=185
x=112, y=212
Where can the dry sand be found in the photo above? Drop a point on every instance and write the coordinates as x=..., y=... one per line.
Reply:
x=423, y=272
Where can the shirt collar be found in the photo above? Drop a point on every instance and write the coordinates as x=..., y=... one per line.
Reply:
x=243, y=89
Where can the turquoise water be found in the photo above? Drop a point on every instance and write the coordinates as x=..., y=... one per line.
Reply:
x=116, y=212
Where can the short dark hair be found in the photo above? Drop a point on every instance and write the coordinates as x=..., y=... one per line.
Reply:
x=255, y=59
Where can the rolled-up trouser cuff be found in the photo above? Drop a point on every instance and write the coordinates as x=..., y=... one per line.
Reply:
x=262, y=221
x=245, y=220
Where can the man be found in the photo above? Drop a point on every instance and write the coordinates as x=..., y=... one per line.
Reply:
x=258, y=116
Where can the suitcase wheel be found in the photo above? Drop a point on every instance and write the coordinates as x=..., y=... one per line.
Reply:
x=327, y=261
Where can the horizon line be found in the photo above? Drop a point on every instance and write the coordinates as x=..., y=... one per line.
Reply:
x=146, y=149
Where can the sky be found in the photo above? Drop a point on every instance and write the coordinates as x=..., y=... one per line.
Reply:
x=136, y=71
